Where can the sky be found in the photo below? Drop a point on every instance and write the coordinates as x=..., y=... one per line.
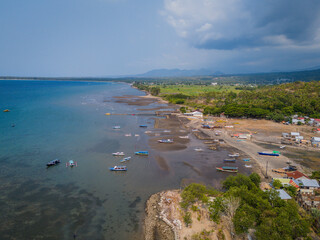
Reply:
x=97, y=38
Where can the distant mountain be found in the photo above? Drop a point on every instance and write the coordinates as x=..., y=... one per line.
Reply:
x=179, y=73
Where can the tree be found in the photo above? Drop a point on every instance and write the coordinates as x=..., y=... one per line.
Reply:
x=255, y=178
x=244, y=219
x=187, y=219
x=231, y=205
x=277, y=184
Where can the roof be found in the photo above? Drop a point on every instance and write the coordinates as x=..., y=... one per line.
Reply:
x=283, y=194
x=283, y=180
x=308, y=183
x=296, y=175
x=317, y=139
x=317, y=120
x=295, y=134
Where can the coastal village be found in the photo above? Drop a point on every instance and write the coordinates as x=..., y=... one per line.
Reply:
x=278, y=172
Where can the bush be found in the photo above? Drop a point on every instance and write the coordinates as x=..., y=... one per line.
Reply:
x=187, y=219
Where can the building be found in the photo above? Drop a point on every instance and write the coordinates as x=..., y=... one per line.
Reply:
x=298, y=120
x=286, y=182
x=296, y=175
x=307, y=186
x=294, y=134
x=283, y=194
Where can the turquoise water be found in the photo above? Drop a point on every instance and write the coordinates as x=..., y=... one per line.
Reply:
x=67, y=120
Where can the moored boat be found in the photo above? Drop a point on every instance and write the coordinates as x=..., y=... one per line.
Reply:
x=234, y=155
x=246, y=159
x=183, y=136
x=227, y=169
x=282, y=147
x=143, y=126
x=125, y=159
x=6, y=110
x=229, y=160
x=116, y=127
x=198, y=149
x=248, y=166
x=165, y=141
x=118, y=154
x=274, y=153
x=71, y=163
x=118, y=168
x=142, y=153
x=53, y=162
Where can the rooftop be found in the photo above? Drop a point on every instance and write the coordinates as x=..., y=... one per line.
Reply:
x=296, y=175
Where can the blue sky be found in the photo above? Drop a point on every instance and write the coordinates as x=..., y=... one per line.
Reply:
x=119, y=37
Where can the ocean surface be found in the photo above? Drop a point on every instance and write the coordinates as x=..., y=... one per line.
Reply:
x=66, y=120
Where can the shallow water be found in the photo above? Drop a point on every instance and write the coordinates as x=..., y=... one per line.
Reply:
x=67, y=120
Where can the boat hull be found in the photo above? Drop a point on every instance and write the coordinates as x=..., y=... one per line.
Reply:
x=269, y=154
x=227, y=170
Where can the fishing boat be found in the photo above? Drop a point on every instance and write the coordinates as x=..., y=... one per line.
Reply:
x=147, y=132
x=184, y=137
x=229, y=160
x=198, y=149
x=53, y=162
x=234, y=155
x=118, y=154
x=227, y=169
x=142, y=153
x=125, y=159
x=136, y=135
x=116, y=127
x=166, y=131
x=143, y=126
x=118, y=168
x=71, y=163
x=165, y=141
x=128, y=135
x=248, y=166
x=246, y=159
x=282, y=147
x=6, y=110
x=274, y=153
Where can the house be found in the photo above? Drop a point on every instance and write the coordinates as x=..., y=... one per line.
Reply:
x=214, y=84
x=197, y=114
x=316, y=122
x=298, y=120
x=283, y=194
x=308, y=185
x=286, y=182
x=296, y=175
x=315, y=139
x=285, y=135
x=294, y=134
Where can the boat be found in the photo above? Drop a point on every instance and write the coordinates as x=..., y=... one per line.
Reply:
x=227, y=169
x=166, y=131
x=165, y=141
x=53, y=162
x=147, y=132
x=274, y=153
x=195, y=130
x=118, y=168
x=6, y=110
x=198, y=149
x=125, y=159
x=71, y=163
x=234, y=155
x=116, y=127
x=118, y=154
x=136, y=135
x=248, y=166
x=282, y=147
x=142, y=153
x=128, y=135
x=246, y=159
x=184, y=137
x=143, y=126
x=229, y=160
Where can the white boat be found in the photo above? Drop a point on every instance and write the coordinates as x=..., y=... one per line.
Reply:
x=128, y=135
x=147, y=132
x=198, y=149
x=195, y=130
x=234, y=155
x=282, y=147
x=125, y=159
x=248, y=166
x=165, y=141
x=136, y=135
x=118, y=154
x=116, y=127
x=183, y=137
x=166, y=131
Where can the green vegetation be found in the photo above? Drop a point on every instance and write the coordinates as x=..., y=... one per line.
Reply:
x=278, y=102
x=315, y=175
x=245, y=206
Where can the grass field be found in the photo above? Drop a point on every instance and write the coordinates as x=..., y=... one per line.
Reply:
x=194, y=90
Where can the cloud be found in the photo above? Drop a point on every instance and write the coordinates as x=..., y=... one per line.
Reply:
x=236, y=24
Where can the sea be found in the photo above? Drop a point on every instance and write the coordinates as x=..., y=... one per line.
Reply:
x=66, y=120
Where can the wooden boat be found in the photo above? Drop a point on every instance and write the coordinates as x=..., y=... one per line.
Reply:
x=118, y=154
x=246, y=159
x=229, y=160
x=116, y=127
x=248, y=166
x=6, y=110
x=143, y=126
x=71, y=164
x=118, y=168
x=184, y=137
x=234, y=155
x=274, y=153
x=282, y=147
x=53, y=162
x=136, y=135
x=128, y=135
x=165, y=141
x=198, y=149
x=125, y=159
x=142, y=153
x=167, y=131
x=227, y=169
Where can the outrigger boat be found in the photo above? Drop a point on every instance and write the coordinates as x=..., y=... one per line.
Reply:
x=142, y=153
x=183, y=136
x=198, y=149
x=143, y=126
x=71, y=164
x=118, y=154
x=282, y=147
x=53, y=162
x=234, y=155
x=227, y=169
x=246, y=159
x=273, y=153
x=128, y=135
x=165, y=141
x=229, y=160
x=248, y=166
x=118, y=168
x=116, y=127
x=125, y=159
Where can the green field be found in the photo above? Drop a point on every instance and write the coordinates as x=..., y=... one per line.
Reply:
x=194, y=90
